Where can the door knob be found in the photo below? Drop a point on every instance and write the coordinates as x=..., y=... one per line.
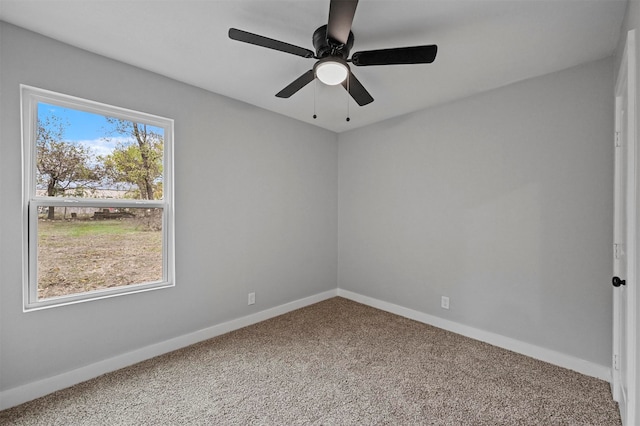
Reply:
x=617, y=282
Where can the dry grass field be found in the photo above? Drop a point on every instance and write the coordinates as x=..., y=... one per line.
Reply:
x=79, y=256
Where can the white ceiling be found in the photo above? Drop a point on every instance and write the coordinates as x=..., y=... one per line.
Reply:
x=483, y=44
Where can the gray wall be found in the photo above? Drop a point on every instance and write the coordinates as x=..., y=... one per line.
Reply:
x=502, y=201
x=256, y=210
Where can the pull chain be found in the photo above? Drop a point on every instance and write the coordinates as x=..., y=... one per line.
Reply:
x=315, y=95
x=315, y=91
x=348, y=94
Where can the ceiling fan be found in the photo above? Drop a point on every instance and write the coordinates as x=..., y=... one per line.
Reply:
x=333, y=43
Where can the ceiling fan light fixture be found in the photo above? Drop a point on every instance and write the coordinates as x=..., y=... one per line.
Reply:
x=331, y=71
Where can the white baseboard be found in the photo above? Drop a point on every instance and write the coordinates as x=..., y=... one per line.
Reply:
x=587, y=368
x=30, y=391
x=33, y=390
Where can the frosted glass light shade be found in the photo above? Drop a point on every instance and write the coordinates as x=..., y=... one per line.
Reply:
x=331, y=72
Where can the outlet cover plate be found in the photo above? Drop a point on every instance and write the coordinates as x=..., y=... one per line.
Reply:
x=444, y=302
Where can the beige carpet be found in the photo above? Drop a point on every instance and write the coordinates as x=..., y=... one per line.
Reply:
x=334, y=363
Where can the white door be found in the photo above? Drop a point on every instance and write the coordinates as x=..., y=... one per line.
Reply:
x=624, y=249
x=620, y=264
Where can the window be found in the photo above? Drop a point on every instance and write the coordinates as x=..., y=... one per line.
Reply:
x=98, y=191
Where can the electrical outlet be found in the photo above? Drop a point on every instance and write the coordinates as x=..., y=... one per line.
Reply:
x=252, y=298
x=444, y=302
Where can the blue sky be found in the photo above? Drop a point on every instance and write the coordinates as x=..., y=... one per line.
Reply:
x=86, y=128
x=83, y=126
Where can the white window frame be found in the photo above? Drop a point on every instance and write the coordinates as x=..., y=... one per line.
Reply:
x=29, y=99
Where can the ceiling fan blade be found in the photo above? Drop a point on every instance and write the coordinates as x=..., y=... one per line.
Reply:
x=341, y=14
x=296, y=85
x=269, y=43
x=400, y=55
x=357, y=90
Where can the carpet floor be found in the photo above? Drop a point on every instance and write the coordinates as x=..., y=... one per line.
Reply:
x=333, y=363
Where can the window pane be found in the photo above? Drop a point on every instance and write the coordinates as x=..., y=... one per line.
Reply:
x=88, y=249
x=115, y=236
x=83, y=154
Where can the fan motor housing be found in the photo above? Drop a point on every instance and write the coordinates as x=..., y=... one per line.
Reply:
x=328, y=47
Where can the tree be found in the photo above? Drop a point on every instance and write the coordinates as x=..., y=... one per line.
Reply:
x=61, y=165
x=138, y=159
